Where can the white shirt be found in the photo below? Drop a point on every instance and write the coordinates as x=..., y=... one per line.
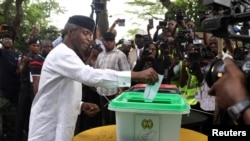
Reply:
x=56, y=106
x=138, y=52
x=57, y=41
x=207, y=102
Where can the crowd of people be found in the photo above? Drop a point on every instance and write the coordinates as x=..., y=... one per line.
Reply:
x=55, y=91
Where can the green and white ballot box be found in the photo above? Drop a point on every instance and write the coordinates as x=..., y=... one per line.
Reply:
x=140, y=120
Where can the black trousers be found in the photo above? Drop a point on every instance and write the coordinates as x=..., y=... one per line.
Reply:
x=85, y=122
x=108, y=116
x=8, y=115
x=26, y=96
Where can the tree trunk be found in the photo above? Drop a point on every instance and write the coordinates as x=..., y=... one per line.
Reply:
x=18, y=18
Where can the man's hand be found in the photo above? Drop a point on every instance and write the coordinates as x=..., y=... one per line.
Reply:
x=149, y=27
x=90, y=109
x=231, y=87
x=146, y=76
x=26, y=60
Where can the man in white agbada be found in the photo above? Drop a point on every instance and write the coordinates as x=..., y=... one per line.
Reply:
x=57, y=103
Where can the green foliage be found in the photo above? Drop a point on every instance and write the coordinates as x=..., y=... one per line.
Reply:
x=34, y=12
x=165, y=9
x=50, y=32
x=192, y=9
x=145, y=9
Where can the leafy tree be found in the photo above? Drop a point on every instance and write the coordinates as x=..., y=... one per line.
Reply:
x=23, y=15
x=146, y=9
x=192, y=9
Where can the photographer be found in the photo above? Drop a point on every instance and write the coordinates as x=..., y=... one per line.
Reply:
x=190, y=75
x=9, y=88
x=208, y=103
x=229, y=97
x=167, y=30
x=183, y=38
x=165, y=48
x=149, y=58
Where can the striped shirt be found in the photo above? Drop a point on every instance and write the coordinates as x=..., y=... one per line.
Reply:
x=115, y=60
x=36, y=65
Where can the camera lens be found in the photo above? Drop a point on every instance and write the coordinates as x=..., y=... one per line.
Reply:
x=214, y=71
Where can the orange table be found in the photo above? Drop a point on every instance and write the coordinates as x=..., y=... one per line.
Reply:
x=108, y=133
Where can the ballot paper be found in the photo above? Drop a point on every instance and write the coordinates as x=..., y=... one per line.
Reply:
x=151, y=90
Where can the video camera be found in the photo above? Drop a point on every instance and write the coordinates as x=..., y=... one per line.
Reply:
x=184, y=36
x=98, y=6
x=195, y=61
x=195, y=55
x=164, y=42
x=163, y=23
x=221, y=25
x=204, y=14
x=226, y=14
x=180, y=15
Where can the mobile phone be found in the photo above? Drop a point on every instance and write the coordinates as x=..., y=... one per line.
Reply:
x=162, y=23
x=151, y=22
x=121, y=22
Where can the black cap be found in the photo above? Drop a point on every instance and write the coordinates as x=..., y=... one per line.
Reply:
x=109, y=36
x=82, y=21
x=33, y=41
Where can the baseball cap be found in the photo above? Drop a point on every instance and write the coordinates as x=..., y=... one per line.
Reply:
x=140, y=32
x=33, y=41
